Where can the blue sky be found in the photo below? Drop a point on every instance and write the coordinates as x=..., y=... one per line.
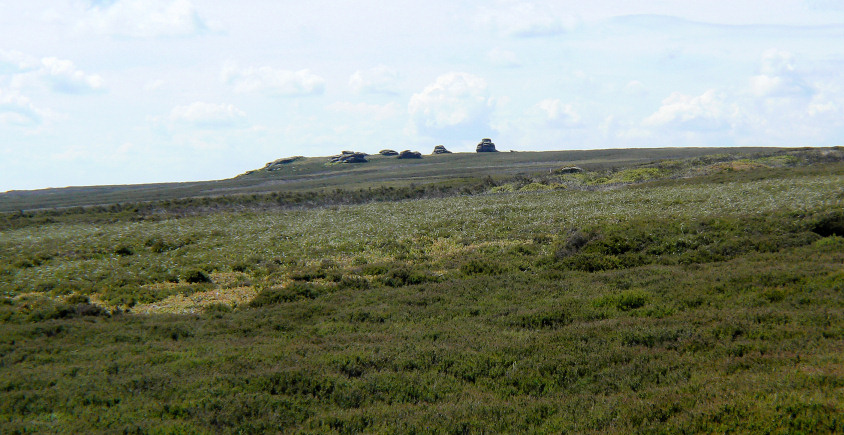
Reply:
x=138, y=91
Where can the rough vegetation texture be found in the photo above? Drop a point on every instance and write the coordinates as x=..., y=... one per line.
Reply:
x=690, y=298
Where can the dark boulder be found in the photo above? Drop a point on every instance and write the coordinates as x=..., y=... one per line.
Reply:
x=408, y=154
x=486, y=146
x=388, y=153
x=351, y=157
x=569, y=170
x=439, y=149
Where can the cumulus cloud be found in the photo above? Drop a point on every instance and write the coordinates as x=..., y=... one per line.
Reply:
x=526, y=19
x=378, y=80
x=58, y=75
x=779, y=106
x=779, y=77
x=17, y=110
x=143, y=18
x=558, y=114
x=13, y=62
x=208, y=115
x=274, y=82
x=63, y=76
x=708, y=111
x=456, y=103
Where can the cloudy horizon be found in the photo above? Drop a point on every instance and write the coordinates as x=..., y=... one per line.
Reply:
x=96, y=92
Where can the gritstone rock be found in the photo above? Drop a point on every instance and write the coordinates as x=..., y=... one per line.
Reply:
x=569, y=170
x=439, y=149
x=486, y=146
x=349, y=157
x=408, y=154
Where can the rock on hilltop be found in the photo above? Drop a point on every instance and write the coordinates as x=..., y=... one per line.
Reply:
x=486, y=146
x=408, y=154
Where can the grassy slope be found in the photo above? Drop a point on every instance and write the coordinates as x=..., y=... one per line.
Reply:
x=315, y=174
x=708, y=304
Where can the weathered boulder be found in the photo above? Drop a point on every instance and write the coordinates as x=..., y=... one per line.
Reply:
x=439, y=149
x=388, y=153
x=408, y=154
x=486, y=146
x=569, y=170
x=351, y=157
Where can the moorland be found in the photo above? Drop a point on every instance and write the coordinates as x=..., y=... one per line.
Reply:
x=613, y=291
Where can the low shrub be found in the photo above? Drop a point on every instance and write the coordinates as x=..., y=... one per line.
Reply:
x=295, y=291
x=482, y=267
x=196, y=276
x=406, y=275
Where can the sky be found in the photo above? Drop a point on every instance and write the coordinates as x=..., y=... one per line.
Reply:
x=100, y=92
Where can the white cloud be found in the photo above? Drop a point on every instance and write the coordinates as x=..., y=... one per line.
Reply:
x=62, y=76
x=59, y=75
x=778, y=77
x=455, y=103
x=378, y=80
x=708, y=111
x=375, y=111
x=274, y=82
x=503, y=58
x=558, y=114
x=143, y=18
x=526, y=19
x=208, y=115
x=16, y=62
x=17, y=110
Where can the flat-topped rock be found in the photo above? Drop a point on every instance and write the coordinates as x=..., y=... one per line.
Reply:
x=388, y=152
x=408, y=154
x=440, y=149
x=349, y=157
x=486, y=146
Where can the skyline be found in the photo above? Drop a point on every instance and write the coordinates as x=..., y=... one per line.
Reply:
x=131, y=91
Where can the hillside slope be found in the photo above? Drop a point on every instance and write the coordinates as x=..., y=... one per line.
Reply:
x=317, y=174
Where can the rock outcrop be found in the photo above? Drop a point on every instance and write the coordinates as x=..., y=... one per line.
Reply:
x=568, y=170
x=388, y=153
x=349, y=157
x=486, y=146
x=439, y=149
x=408, y=154
x=277, y=164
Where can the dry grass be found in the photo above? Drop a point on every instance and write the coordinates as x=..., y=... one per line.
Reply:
x=197, y=302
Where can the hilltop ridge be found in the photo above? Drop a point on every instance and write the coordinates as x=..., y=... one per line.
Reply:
x=318, y=174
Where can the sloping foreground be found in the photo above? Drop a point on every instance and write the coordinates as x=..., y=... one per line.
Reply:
x=681, y=307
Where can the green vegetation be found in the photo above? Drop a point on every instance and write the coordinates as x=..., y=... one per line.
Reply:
x=699, y=294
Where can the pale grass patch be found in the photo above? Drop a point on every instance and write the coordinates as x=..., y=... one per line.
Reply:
x=196, y=302
x=450, y=247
